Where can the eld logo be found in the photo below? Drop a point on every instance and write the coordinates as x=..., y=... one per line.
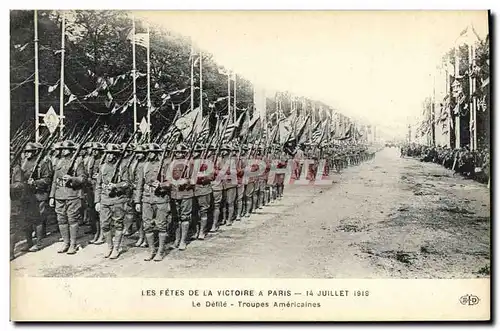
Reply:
x=469, y=300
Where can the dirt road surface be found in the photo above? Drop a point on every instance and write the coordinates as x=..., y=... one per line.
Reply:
x=390, y=217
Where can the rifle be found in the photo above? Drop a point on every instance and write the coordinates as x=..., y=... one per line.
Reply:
x=71, y=168
x=43, y=152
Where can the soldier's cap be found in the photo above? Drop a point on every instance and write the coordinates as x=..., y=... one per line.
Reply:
x=154, y=148
x=69, y=144
x=113, y=148
x=32, y=146
x=181, y=147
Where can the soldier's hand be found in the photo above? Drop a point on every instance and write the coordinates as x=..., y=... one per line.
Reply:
x=138, y=207
x=66, y=178
x=52, y=202
x=98, y=207
x=156, y=184
x=31, y=181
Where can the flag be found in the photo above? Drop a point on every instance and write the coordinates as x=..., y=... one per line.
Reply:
x=72, y=98
x=187, y=123
x=141, y=39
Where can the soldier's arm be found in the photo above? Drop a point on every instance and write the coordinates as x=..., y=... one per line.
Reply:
x=166, y=182
x=81, y=175
x=17, y=179
x=46, y=174
x=52, y=193
x=125, y=179
x=139, y=188
x=98, y=188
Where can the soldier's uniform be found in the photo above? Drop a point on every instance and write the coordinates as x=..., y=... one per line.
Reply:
x=93, y=164
x=152, y=195
x=130, y=213
x=83, y=158
x=136, y=170
x=65, y=195
x=182, y=194
x=36, y=199
x=202, y=196
x=240, y=187
x=17, y=208
x=230, y=188
x=217, y=192
x=111, y=196
x=280, y=178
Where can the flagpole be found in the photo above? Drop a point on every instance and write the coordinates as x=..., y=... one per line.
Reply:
x=472, y=108
x=201, y=83
x=61, y=85
x=134, y=75
x=37, y=106
x=229, y=113
x=192, y=76
x=234, y=111
x=149, y=90
x=457, y=119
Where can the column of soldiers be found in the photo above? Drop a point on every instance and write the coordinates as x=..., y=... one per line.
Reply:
x=165, y=194
x=471, y=164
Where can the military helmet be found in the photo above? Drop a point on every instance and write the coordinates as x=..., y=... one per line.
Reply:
x=199, y=147
x=57, y=145
x=32, y=146
x=68, y=144
x=130, y=147
x=113, y=148
x=88, y=145
x=141, y=148
x=98, y=146
x=153, y=147
x=181, y=147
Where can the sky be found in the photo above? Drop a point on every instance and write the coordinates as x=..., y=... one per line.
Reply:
x=375, y=67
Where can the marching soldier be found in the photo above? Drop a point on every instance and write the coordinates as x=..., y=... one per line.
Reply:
x=217, y=190
x=240, y=187
x=39, y=177
x=202, y=195
x=130, y=213
x=94, y=163
x=182, y=195
x=136, y=170
x=110, y=199
x=229, y=186
x=65, y=196
x=249, y=189
x=151, y=197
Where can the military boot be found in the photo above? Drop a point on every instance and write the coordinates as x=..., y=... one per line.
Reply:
x=140, y=241
x=150, y=238
x=39, y=238
x=203, y=226
x=73, y=232
x=184, y=233
x=99, y=236
x=162, y=238
x=177, y=236
x=116, y=245
x=109, y=240
x=215, y=224
x=64, y=229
